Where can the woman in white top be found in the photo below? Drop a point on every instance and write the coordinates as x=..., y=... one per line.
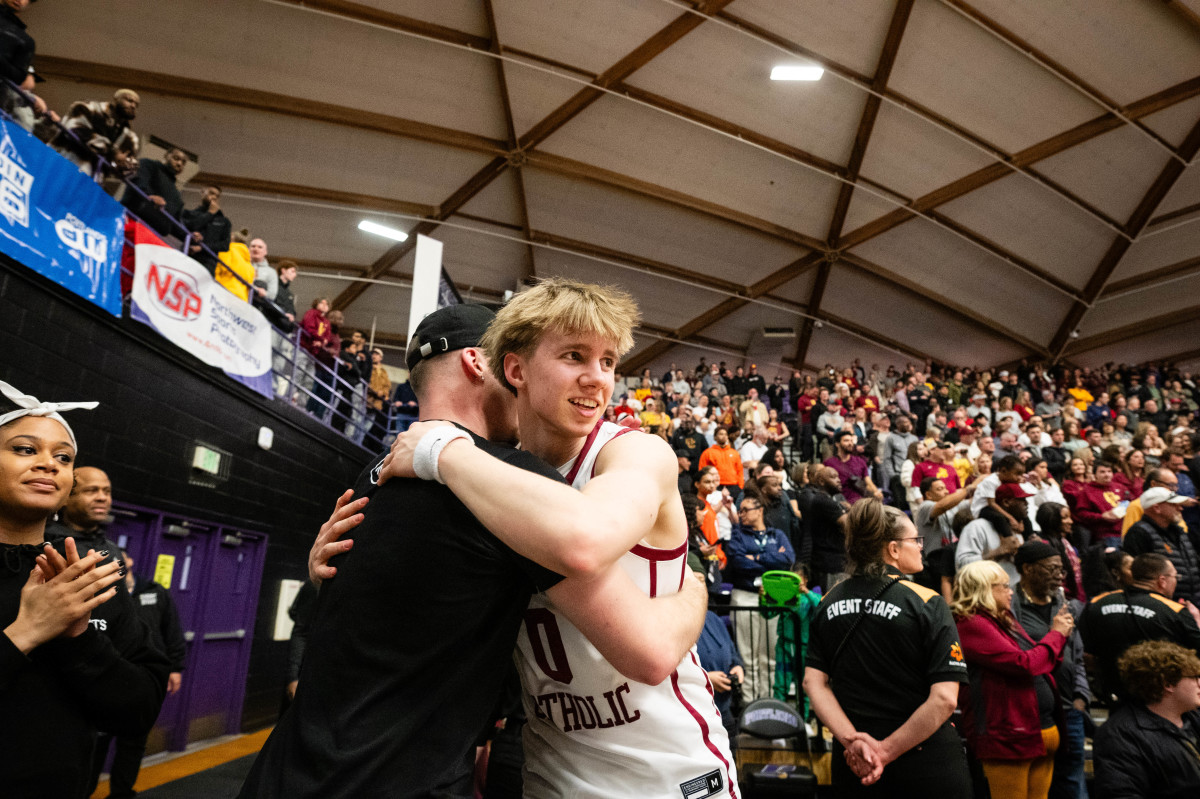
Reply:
x=917, y=452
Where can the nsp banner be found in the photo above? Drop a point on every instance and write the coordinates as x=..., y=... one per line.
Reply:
x=57, y=221
x=179, y=298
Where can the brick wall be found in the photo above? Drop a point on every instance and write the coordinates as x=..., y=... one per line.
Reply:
x=155, y=402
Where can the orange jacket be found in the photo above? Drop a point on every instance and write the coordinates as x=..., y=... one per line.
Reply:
x=727, y=461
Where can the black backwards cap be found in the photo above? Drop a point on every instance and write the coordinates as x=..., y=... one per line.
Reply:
x=451, y=328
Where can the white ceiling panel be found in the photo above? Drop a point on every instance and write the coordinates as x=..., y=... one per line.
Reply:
x=951, y=66
x=1112, y=172
x=1184, y=194
x=959, y=271
x=677, y=155
x=910, y=319
x=663, y=303
x=740, y=326
x=1127, y=50
x=463, y=15
x=720, y=72
x=486, y=256
x=1139, y=349
x=864, y=207
x=1158, y=250
x=850, y=32
x=500, y=200
x=244, y=143
x=833, y=346
x=617, y=220
x=566, y=30
x=286, y=50
x=1035, y=224
x=800, y=289
x=911, y=156
x=385, y=306
x=1174, y=123
x=1153, y=301
x=534, y=92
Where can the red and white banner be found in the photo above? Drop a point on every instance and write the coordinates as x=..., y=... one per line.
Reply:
x=179, y=298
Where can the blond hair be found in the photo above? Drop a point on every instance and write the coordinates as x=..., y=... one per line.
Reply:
x=973, y=589
x=562, y=305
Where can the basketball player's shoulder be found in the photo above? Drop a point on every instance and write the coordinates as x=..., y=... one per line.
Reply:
x=634, y=449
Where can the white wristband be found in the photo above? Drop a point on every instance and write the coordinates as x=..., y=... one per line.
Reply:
x=429, y=449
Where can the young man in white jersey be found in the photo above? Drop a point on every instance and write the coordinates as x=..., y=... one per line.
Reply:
x=591, y=731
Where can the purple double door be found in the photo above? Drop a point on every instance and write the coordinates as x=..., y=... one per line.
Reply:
x=215, y=573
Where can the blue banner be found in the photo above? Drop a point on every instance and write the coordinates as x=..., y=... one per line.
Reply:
x=57, y=221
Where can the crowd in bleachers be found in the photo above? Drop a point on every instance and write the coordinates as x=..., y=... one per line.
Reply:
x=1054, y=498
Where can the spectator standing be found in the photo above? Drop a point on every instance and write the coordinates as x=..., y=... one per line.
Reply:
x=1148, y=746
x=157, y=610
x=1008, y=714
x=17, y=49
x=753, y=549
x=85, y=515
x=1096, y=507
x=726, y=460
x=938, y=466
x=853, y=471
x=1054, y=527
x=1049, y=410
x=821, y=509
x=163, y=203
x=885, y=666
x=753, y=451
x=1115, y=621
x=992, y=536
x=1159, y=531
x=102, y=129
x=917, y=452
x=719, y=657
x=234, y=271
x=1035, y=603
x=380, y=392
x=266, y=281
x=892, y=453
x=753, y=410
x=282, y=346
x=209, y=227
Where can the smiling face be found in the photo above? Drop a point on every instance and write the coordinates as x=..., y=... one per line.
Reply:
x=562, y=387
x=36, y=468
x=91, y=501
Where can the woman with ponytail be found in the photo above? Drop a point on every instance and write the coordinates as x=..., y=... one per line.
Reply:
x=884, y=666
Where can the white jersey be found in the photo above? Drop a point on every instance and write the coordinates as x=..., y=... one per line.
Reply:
x=593, y=732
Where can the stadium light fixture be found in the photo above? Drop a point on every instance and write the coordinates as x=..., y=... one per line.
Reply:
x=796, y=72
x=382, y=230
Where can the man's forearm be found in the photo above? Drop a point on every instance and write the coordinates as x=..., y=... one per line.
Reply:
x=924, y=722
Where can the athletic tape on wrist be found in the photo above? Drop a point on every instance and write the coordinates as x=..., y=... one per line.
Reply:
x=429, y=449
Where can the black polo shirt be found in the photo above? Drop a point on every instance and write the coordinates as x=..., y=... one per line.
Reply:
x=408, y=650
x=1115, y=621
x=905, y=644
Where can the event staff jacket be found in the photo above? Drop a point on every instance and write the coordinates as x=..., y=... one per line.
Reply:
x=1115, y=621
x=904, y=644
x=1000, y=712
x=728, y=463
x=1141, y=754
x=1175, y=545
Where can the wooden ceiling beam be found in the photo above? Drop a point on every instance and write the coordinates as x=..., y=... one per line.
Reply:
x=652, y=266
x=502, y=82
x=398, y=22
x=1030, y=155
x=862, y=136
x=366, y=202
x=240, y=97
x=568, y=167
x=1056, y=68
x=718, y=312
x=641, y=55
x=1178, y=213
x=1137, y=329
x=1178, y=269
x=876, y=337
x=1116, y=251
x=945, y=303
x=1185, y=13
x=1181, y=356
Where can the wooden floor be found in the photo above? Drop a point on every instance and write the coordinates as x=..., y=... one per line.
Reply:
x=188, y=763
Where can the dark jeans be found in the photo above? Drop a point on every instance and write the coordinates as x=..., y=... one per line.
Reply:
x=127, y=762
x=1068, y=782
x=937, y=769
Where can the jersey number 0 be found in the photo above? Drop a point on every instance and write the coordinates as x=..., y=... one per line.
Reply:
x=541, y=624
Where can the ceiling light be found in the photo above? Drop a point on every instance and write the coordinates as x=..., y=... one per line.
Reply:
x=382, y=230
x=796, y=72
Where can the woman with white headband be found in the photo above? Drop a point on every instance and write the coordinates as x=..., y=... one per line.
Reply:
x=73, y=656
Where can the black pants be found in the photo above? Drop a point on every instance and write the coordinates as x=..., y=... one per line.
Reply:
x=127, y=762
x=937, y=768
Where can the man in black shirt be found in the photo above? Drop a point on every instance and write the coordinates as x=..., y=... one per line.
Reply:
x=1159, y=530
x=820, y=512
x=391, y=699
x=1115, y=621
x=82, y=518
x=208, y=224
x=157, y=180
x=687, y=439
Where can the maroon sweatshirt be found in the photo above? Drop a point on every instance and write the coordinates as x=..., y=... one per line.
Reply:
x=1091, y=502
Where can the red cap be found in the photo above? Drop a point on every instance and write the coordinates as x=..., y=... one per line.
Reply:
x=1012, y=491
